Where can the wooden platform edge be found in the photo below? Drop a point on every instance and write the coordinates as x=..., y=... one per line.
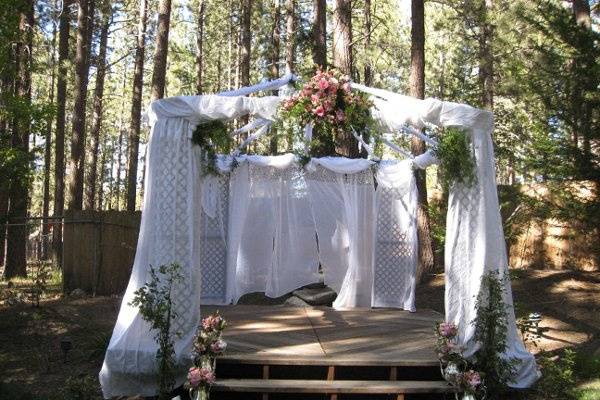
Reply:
x=323, y=361
x=330, y=387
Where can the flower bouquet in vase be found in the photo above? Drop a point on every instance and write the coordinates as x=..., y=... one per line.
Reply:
x=208, y=345
x=457, y=370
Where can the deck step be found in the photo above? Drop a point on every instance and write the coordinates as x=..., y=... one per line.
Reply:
x=330, y=387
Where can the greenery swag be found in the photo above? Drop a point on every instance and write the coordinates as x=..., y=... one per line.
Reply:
x=212, y=137
x=457, y=163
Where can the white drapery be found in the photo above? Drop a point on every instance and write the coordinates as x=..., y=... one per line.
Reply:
x=180, y=215
x=474, y=236
x=272, y=240
x=343, y=199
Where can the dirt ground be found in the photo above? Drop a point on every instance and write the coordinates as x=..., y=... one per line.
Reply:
x=31, y=359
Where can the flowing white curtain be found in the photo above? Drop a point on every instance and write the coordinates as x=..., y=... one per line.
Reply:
x=343, y=199
x=169, y=233
x=272, y=242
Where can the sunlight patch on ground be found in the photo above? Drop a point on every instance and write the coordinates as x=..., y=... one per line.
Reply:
x=558, y=334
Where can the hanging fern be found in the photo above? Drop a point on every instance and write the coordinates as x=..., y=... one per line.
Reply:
x=212, y=137
x=457, y=163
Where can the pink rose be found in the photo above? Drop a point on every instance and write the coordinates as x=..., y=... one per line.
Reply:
x=346, y=87
x=218, y=346
x=448, y=330
x=472, y=378
x=200, y=377
x=320, y=111
x=323, y=84
x=314, y=99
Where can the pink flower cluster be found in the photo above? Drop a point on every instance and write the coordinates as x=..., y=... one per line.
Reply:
x=218, y=347
x=213, y=323
x=472, y=379
x=447, y=330
x=448, y=349
x=322, y=95
x=200, y=377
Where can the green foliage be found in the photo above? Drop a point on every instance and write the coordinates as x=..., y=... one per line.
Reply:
x=457, y=163
x=491, y=328
x=80, y=388
x=156, y=307
x=41, y=273
x=212, y=137
x=558, y=377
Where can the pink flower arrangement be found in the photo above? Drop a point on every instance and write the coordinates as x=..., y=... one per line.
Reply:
x=200, y=377
x=207, y=346
x=456, y=369
x=329, y=104
x=448, y=330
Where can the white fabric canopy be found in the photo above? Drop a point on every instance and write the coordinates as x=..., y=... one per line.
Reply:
x=187, y=216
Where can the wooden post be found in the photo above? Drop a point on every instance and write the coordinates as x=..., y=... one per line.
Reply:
x=331, y=377
x=265, y=375
x=394, y=373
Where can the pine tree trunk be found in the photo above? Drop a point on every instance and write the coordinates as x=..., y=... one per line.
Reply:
x=417, y=89
x=3, y=220
x=584, y=89
x=319, y=33
x=486, y=57
x=246, y=41
x=200, y=47
x=48, y=145
x=342, y=36
x=90, y=200
x=581, y=10
x=119, y=169
x=77, y=157
x=368, y=25
x=346, y=144
x=121, y=130
x=290, y=45
x=16, y=255
x=136, y=108
x=59, y=138
x=102, y=175
x=161, y=51
x=275, y=47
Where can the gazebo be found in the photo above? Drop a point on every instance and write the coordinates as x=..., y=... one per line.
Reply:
x=267, y=223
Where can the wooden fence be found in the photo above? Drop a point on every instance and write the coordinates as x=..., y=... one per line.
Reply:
x=99, y=246
x=98, y=250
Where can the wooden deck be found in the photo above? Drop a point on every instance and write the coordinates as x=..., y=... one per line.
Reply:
x=276, y=335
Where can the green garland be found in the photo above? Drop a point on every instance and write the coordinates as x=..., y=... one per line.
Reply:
x=212, y=137
x=457, y=163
